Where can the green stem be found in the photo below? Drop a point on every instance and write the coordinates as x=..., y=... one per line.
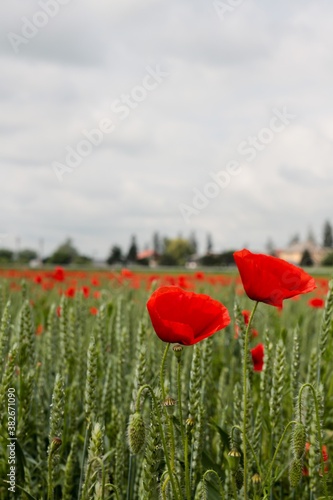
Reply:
x=292, y=422
x=162, y=371
x=250, y=446
x=83, y=459
x=246, y=348
x=167, y=416
x=114, y=488
x=183, y=434
x=320, y=439
x=50, y=491
x=212, y=471
x=175, y=486
x=131, y=476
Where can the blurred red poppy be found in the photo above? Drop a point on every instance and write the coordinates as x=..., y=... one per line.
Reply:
x=258, y=357
x=59, y=274
x=316, y=303
x=70, y=292
x=324, y=453
x=185, y=317
x=94, y=311
x=246, y=316
x=271, y=280
x=86, y=291
x=39, y=330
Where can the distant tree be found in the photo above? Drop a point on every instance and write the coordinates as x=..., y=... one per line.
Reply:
x=328, y=260
x=328, y=235
x=193, y=242
x=133, y=251
x=6, y=256
x=115, y=256
x=311, y=237
x=306, y=259
x=83, y=260
x=157, y=245
x=176, y=253
x=64, y=254
x=222, y=259
x=209, y=244
x=270, y=247
x=294, y=239
x=27, y=255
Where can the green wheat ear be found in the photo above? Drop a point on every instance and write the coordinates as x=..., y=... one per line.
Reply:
x=136, y=433
x=95, y=468
x=57, y=409
x=151, y=460
x=55, y=434
x=5, y=327
x=70, y=469
x=91, y=382
x=277, y=386
x=7, y=381
x=295, y=472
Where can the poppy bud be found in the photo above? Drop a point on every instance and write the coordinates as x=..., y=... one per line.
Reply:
x=298, y=441
x=233, y=459
x=190, y=422
x=136, y=433
x=177, y=349
x=295, y=472
x=55, y=444
x=169, y=403
x=256, y=481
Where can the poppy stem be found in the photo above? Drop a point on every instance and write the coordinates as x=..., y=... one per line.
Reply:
x=173, y=480
x=268, y=473
x=166, y=350
x=167, y=416
x=245, y=361
x=182, y=431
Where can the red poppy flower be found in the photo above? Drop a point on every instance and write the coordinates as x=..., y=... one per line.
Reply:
x=258, y=357
x=246, y=316
x=199, y=276
x=39, y=330
x=126, y=273
x=324, y=453
x=316, y=303
x=185, y=317
x=94, y=311
x=271, y=280
x=59, y=274
x=86, y=291
x=70, y=292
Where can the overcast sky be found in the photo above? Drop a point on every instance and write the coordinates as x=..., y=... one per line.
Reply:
x=183, y=90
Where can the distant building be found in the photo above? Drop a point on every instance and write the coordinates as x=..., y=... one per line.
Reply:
x=295, y=251
x=147, y=257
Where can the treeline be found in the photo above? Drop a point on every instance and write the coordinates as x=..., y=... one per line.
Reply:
x=163, y=251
